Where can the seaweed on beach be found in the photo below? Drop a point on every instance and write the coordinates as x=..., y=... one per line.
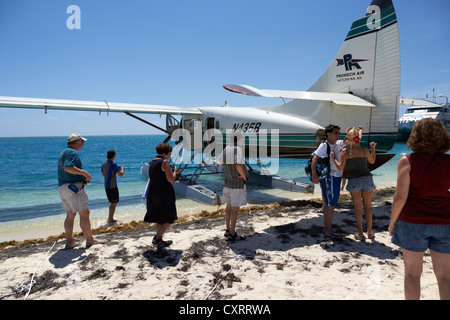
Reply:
x=123, y=255
x=48, y=280
x=99, y=273
x=163, y=257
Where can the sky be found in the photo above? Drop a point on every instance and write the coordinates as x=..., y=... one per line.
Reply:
x=181, y=53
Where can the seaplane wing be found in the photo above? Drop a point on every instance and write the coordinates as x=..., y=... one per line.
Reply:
x=100, y=106
x=417, y=102
x=335, y=97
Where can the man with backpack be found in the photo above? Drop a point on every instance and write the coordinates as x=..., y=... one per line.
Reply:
x=331, y=184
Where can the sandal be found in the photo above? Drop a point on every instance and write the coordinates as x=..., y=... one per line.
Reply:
x=371, y=235
x=159, y=243
x=227, y=233
x=359, y=238
x=235, y=237
x=333, y=235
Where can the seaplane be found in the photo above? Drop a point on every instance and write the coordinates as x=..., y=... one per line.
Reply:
x=361, y=86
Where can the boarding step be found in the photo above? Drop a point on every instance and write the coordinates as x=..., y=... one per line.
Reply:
x=197, y=192
x=191, y=190
x=274, y=181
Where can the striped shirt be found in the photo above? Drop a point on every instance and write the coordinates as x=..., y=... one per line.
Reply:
x=231, y=156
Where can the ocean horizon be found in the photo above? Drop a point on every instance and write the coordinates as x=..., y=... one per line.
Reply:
x=30, y=205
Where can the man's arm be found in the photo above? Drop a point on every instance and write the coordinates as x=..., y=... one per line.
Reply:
x=121, y=172
x=81, y=172
x=240, y=169
x=314, y=177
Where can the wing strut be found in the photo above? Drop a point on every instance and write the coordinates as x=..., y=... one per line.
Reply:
x=150, y=124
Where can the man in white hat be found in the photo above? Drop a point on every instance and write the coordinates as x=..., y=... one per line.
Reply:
x=71, y=181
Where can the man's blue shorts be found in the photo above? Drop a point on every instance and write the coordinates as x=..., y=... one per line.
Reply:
x=420, y=237
x=331, y=189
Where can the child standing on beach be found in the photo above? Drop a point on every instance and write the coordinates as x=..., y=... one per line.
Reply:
x=109, y=171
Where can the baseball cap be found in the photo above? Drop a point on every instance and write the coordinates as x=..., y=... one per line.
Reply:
x=75, y=137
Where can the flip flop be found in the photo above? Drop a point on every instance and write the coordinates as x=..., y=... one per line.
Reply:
x=371, y=235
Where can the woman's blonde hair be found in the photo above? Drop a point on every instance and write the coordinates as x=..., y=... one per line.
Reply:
x=429, y=135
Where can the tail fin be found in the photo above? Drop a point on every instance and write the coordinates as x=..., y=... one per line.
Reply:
x=368, y=66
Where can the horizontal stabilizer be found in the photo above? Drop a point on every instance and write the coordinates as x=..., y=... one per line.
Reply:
x=36, y=103
x=417, y=102
x=335, y=97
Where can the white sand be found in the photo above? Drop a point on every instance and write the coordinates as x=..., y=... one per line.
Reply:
x=285, y=257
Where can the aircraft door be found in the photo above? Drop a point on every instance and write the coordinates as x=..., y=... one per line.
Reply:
x=210, y=124
x=171, y=124
x=194, y=127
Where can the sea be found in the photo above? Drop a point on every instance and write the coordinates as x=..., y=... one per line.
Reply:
x=30, y=206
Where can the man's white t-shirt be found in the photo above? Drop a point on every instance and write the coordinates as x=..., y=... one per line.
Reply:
x=322, y=152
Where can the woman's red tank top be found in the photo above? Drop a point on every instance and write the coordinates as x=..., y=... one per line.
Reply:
x=429, y=196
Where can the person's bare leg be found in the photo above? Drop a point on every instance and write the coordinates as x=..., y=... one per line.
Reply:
x=233, y=219
x=161, y=229
x=85, y=225
x=68, y=228
x=357, y=205
x=112, y=210
x=367, y=202
x=441, y=268
x=328, y=220
x=413, y=270
x=228, y=216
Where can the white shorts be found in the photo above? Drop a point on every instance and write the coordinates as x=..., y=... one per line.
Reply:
x=72, y=201
x=235, y=197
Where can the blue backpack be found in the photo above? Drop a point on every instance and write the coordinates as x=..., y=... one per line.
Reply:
x=323, y=165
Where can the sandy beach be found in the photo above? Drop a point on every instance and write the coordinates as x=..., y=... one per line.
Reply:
x=285, y=257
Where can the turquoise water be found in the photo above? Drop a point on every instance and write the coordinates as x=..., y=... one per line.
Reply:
x=30, y=203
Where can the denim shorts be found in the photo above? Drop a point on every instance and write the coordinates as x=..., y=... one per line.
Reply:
x=361, y=184
x=420, y=237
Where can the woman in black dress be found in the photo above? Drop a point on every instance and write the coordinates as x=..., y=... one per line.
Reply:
x=160, y=195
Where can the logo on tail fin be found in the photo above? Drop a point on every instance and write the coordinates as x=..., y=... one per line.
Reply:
x=349, y=62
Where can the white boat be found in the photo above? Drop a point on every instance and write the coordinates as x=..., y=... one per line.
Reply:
x=421, y=109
